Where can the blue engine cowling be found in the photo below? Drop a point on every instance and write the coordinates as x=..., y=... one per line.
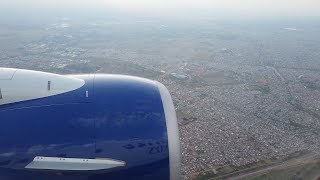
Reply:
x=122, y=118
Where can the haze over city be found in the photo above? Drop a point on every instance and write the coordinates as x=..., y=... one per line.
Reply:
x=244, y=74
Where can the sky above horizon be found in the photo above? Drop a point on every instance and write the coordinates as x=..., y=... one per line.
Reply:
x=249, y=8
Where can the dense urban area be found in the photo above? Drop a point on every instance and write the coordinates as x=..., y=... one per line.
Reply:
x=245, y=92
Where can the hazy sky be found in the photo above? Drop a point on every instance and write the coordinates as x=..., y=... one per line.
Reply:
x=181, y=7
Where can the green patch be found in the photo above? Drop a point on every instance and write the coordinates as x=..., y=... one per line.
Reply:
x=205, y=175
x=230, y=171
x=258, y=78
x=197, y=81
x=308, y=171
x=312, y=85
x=221, y=78
x=263, y=88
x=180, y=114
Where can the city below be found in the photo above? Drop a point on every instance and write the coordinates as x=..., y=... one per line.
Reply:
x=246, y=94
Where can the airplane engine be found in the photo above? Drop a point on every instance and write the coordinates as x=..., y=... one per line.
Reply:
x=87, y=126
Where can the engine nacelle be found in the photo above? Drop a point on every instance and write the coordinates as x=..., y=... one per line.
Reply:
x=90, y=126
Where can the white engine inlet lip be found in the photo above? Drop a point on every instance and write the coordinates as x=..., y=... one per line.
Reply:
x=20, y=85
x=173, y=132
